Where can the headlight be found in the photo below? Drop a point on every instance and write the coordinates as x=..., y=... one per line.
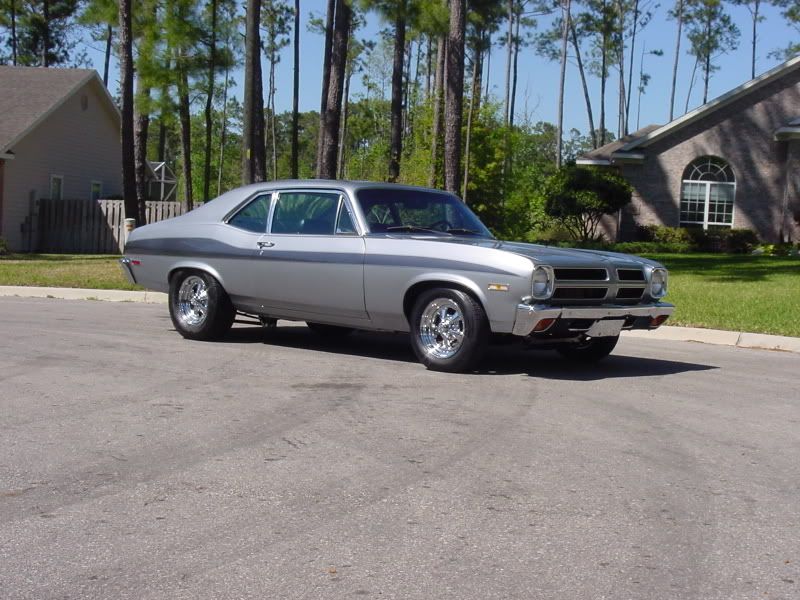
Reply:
x=542, y=286
x=658, y=283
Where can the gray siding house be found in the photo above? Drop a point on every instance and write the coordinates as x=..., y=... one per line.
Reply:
x=59, y=139
x=733, y=162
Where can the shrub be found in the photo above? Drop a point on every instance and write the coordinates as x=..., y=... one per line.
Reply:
x=4, y=248
x=740, y=241
x=579, y=197
x=665, y=235
x=653, y=247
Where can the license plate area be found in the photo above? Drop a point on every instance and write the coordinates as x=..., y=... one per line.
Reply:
x=606, y=328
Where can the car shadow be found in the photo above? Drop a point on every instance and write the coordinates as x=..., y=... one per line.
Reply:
x=501, y=358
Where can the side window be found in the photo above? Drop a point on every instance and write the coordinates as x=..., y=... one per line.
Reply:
x=310, y=213
x=345, y=223
x=253, y=217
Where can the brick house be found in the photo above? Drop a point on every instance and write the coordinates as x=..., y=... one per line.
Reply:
x=733, y=162
x=59, y=139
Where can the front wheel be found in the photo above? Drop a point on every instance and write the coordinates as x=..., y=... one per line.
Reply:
x=449, y=330
x=590, y=350
x=199, y=307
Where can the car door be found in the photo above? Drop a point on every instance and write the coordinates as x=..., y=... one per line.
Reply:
x=310, y=264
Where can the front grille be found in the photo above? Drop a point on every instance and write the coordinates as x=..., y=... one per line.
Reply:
x=630, y=274
x=581, y=274
x=629, y=293
x=578, y=293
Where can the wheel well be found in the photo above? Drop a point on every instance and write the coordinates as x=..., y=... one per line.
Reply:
x=415, y=290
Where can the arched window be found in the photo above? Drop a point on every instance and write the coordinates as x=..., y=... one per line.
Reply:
x=707, y=193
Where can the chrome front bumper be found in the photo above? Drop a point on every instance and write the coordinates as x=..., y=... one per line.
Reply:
x=529, y=315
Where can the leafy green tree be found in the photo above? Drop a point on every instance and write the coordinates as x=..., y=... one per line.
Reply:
x=791, y=12
x=43, y=33
x=579, y=197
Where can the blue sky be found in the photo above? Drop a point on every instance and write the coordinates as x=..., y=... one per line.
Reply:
x=537, y=90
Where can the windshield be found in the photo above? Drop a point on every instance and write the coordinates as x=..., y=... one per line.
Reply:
x=414, y=211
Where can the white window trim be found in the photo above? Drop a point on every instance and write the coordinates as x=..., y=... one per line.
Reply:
x=91, y=185
x=705, y=222
x=61, y=179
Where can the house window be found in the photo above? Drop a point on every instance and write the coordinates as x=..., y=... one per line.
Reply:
x=96, y=190
x=56, y=187
x=707, y=193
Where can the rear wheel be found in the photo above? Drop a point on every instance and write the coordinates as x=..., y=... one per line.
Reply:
x=199, y=307
x=590, y=350
x=449, y=330
x=330, y=331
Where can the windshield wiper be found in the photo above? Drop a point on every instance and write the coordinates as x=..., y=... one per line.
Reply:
x=461, y=231
x=413, y=228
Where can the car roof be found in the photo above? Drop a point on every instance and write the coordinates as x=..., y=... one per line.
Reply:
x=218, y=208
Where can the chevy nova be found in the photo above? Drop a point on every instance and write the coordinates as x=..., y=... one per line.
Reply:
x=355, y=255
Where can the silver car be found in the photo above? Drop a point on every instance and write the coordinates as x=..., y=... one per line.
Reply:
x=345, y=255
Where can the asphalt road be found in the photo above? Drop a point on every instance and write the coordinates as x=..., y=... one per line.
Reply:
x=135, y=464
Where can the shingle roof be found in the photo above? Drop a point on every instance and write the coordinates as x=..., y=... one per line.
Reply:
x=603, y=153
x=28, y=94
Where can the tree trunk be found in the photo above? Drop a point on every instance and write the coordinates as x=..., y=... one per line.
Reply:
x=565, y=25
x=707, y=60
x=509, y=59
x=223, y=132
x=691, y=85
x=454, y=97
x=186, y=131
x=271, y=104
x=587, y=98
x=603, y=77
x=208, y=113
x=488, y=65
x=428, y=67
x=621, y=66
x=330, y=19
x=107, y=59
x=475, y=93
x=14, y=32
x=132, y=207
x=141, y=128
x=630, y=69
x=514, y=73
x=396, y=140
x=438, y=85
x=253, y=155
x=756, y=7
x=326, y=169
x=679, y=17
x=45, y=58
x=340, y=158
x=293, y=168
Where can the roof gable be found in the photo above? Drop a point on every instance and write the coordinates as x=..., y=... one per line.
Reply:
x=714, y=105
x=30, y=94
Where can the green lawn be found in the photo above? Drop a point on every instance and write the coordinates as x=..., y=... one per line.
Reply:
x=740, y=293
x=64, y=270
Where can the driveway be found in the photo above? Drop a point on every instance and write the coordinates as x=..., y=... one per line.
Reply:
x=136, y=464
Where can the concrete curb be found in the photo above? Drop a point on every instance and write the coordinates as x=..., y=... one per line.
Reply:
x=83, y=294
x=681, y=334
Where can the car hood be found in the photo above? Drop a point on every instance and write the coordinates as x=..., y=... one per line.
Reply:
x=555, y=256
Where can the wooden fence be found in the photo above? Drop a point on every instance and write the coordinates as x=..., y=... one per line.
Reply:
x=85, y=226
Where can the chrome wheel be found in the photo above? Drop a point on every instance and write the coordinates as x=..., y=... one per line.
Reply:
x=442, y=328
x=193, y=301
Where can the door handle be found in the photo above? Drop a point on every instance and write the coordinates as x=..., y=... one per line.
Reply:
x=266, y=244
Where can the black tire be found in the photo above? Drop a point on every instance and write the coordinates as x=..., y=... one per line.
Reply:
x=200, y=319
x=432, y=346
x=330, y=331
x=591, y=350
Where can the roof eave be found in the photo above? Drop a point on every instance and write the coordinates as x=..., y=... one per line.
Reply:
x=785, y=134
x=704, y=110
x=593, y=162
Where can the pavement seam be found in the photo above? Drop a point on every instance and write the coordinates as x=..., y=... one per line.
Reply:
x=718, y=337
